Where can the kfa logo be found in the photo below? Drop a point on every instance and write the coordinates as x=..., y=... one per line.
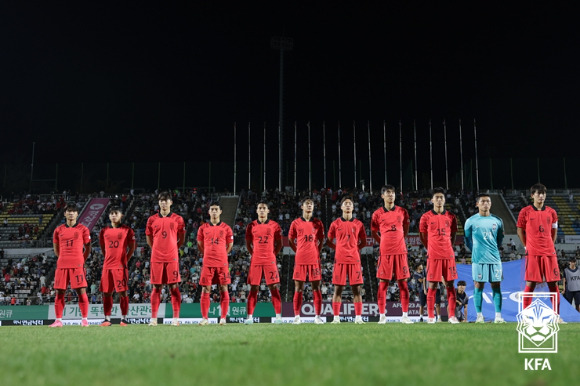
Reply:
x=538, y=324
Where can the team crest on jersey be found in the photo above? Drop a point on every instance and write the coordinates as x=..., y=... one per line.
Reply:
x=119, y=236
x=172, y=226
x=76, y=235
x=221, y=233
x=494, y=227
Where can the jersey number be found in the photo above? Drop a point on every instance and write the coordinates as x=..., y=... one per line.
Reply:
x=308, y=238
x=263, y=240
x=69, y=243
x=114, y=244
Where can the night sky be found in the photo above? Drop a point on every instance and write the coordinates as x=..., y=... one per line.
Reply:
x=102, y=82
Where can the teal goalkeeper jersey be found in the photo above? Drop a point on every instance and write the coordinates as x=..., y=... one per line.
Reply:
x=483, y=235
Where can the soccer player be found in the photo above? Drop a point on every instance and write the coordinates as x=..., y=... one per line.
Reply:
x=438, y=228
x=72, y=246
x=306, y=237
x=350, y=237
x=537, y=230
x=215, y=240
x=389, y=226
x=118, y=244
x=483, y=236
x=264, y=242
x=165, y=233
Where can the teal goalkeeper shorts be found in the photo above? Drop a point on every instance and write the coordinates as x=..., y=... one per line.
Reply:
x=486, y=273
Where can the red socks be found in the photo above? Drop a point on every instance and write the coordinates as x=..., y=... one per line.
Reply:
x=358, y=308
x=336, y=308
x=382, y=296
x=108, y=305
x=317, y=297
x=297, y=302
x=431, y=292
x=276, y=301
x=252, y=300
x=124, y=305
x=59, y=305
x=155, y=300
x=204, y=304
x=451, y=301
x=404, y=291
x=84, y=305
x=527, y=300
x=225, y=304
x=175, y=301
x=554, y=288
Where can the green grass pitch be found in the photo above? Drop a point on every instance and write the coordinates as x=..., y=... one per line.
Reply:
x=267, y=354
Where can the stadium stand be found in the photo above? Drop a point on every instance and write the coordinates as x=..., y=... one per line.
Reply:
x=28, y=279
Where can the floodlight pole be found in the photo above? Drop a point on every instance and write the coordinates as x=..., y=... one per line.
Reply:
x=281, y=43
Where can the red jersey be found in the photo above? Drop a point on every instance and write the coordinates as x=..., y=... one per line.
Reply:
x=538, y=226
x=439, y=228
x=115, y=242
x=308, y=234
x=262, y=237
x=347, y=234
x=215, y=240
x=71, y=242
x=391, y=226
x=164, y=232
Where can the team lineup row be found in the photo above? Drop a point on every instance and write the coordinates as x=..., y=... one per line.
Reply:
x=165, y=233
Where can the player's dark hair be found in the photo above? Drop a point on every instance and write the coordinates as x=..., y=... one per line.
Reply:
x=71, y=207
x=306, y=198
x=461, y=282
x=215, y=203
x=347, y=197
x=438, y=190
x=115, y=208
x=540, y=188
x=480, y=195
x=388, y=187
x=262, y=202
x=164, y=196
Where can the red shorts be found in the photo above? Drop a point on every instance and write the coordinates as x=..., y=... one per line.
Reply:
x=341, y=271
x=214, y=275
x=542, y=268
x=165, y=272
x=437, y=268
x=270, y=271
x=312, y=271
x=114, y=279
x=390, y=264
x=75, y=276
